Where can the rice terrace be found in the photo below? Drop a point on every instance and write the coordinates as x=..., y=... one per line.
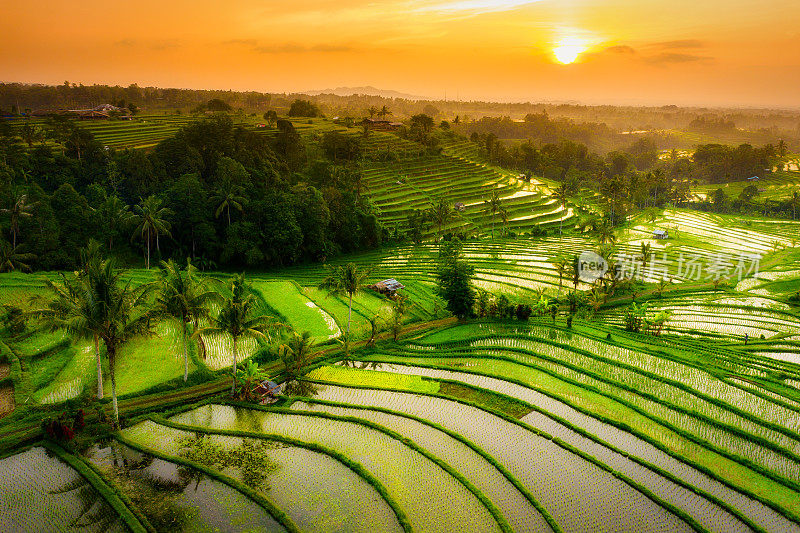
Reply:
x=560, y=293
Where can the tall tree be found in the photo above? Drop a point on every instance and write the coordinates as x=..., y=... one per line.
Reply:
x=561, y=194
x=11, y=258
x=20, y=208
x=454, y=280
x=492, y=206
x=115, y=217
x=126, y=315
x=228, y=195
x=384, y=112
x=151, y=220
x=238, y=318
x=347, y=279
x=372, y=110
x=295, y=353
x=184, y=296
x=440, y=213
x=75, y=307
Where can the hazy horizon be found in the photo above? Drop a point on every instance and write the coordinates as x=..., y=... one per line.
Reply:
x=711, y=54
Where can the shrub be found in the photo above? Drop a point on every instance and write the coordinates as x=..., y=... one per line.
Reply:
x=523, y=311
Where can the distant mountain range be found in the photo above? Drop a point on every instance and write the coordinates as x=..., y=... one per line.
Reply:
x=368, y=90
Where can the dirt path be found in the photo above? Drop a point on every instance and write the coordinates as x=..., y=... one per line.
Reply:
x=165, y=400
x=6, y=400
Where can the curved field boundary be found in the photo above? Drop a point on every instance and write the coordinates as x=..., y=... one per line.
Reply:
x=470, y=344
x=564, y=445
x=279, y=516
x=474, y=447
x=346, y=461
x=493, y=510
x=614, y=383
x=580, y=431
x=136, y=522
x=791, y=516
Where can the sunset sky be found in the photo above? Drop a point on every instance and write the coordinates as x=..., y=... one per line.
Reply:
x=743, y=52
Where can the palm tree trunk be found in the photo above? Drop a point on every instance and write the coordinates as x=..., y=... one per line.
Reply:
x=349, y=316
x=112, y=356
x=148, y=249
x=229, y=215
x=99, y=368
x=185, y=354
x=233, y=383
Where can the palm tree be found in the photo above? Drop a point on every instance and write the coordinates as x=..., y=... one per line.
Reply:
x=400, y=306
x=227, y=196
x=605, y=233
x=182, y=295
x=645, y=255
x=12, y=259
x=238, y=318
x=440, y=213
x=115, y=215
x=372, y=110
x=782, y=148
x=795, y=198
x=151, y=222
x=75, y=308
x=126, y=315
x=295, y=353
x=504, y=219
x=384, y=112
x=563, y=266
x=98, y=304
x=492, y=206
x=561, y=194
x=20, y=209
x=347, y=279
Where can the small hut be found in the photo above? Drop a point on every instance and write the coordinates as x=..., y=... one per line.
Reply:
x=660, y=234
x=269, y=391
x=459, y=206
x=387, y=287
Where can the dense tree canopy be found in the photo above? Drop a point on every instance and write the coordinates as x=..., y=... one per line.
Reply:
x=227, y=196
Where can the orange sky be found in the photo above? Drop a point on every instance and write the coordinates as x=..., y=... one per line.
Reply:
x=641, y=52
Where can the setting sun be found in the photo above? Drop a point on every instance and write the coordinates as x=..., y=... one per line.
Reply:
x=568, y=49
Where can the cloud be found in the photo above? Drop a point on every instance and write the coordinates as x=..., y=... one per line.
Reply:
x=154, y=45
x=680, y=44
x=674, y=57
x=290, y=48
x=621, y=49
x=474, y=6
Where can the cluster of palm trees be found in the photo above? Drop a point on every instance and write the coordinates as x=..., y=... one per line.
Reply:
x=383, y=112
x=99, y=304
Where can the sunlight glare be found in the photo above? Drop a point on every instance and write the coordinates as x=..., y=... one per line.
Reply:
x=568, y=49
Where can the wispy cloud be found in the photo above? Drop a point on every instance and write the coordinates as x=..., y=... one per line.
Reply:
x=290, y=48
x=673, y=57
x=473, y=6
x=163, y=44
x=680, y=44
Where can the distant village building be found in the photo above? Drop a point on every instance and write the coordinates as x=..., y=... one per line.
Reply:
x=660, y=234
x=459, y=206
x=387, y=287
x=754, y=178
x=381, y=124
x=104, y=111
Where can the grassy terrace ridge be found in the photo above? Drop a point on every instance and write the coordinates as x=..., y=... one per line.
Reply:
x=761, y=487
x=442, y=393
x=567, y=447
x=372, y=384
x=580, y=420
